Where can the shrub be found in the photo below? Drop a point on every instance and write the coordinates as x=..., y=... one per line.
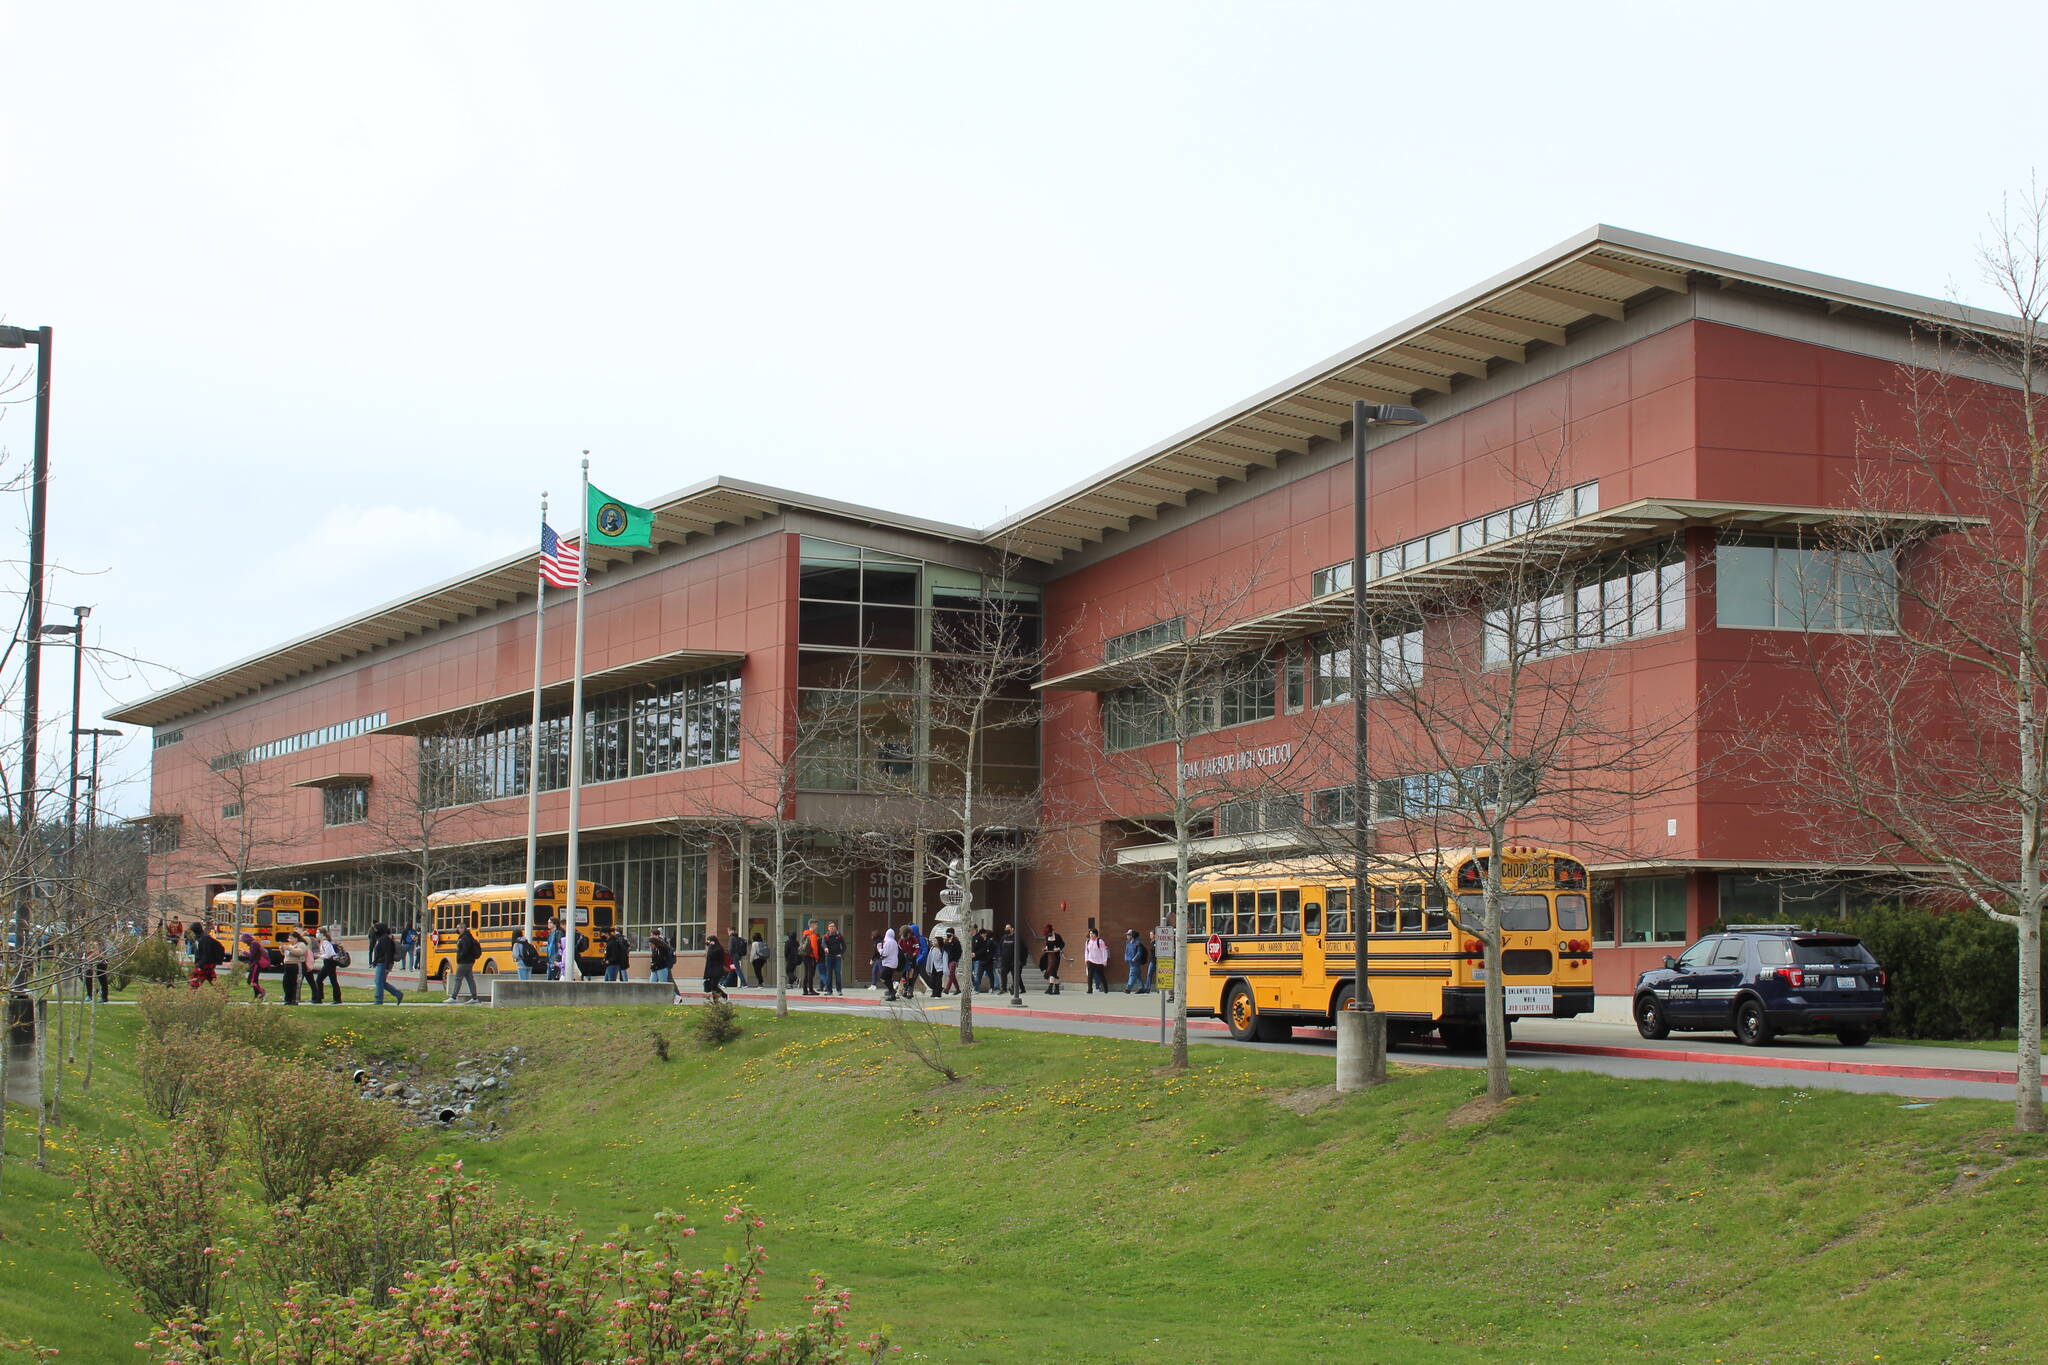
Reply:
x=1948, y=974
x=538, y=1301
x=154, y=1216
x=148, y=959
x=167, y=1009
x=360, y=1234
x=300, y=1128
x=717, y=1023
x=181, y=1069
x=267, y=1028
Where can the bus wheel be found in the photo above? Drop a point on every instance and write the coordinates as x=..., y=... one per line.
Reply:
x=490, y=966
x=441, y=972
x=1461, y=1035
x=1340, y=1002
x=1240, y=1014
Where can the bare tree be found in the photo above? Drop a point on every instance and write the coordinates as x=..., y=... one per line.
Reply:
x=756, y=818
x=961, y=796
x=1173, y=682
x=1496, y=718
x=1921, y=740
x=234, y=824
x=420, y=809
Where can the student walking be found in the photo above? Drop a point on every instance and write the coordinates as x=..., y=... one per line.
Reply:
x=661, y=956
x=411, y=942
x=875, y=962
x=811, y=948
x=952, y=949
x=714, y=970
x=736, y=960
x=207, y=954
x=1049, y=959
x=294, y=967
x=832, y=966
x=618, y=957
x=886, y=957
x=1009, y=958
x=982, y=951
x=758, y=956
x=467, y=950
x=908, y=950
x=322, y=966
x=1095, y=952
x=524, y=956
x=384, y=955
x=1134, y=962
x=258, y=958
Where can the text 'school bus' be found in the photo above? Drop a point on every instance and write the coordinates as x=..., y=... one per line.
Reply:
x=1269, y=945
x=495, y=913
x=265, y=916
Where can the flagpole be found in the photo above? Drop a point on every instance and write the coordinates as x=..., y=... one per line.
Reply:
x=576, y=729
x=540, y=622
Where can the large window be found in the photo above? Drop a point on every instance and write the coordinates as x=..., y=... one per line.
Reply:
x=292, y=744
x=1144, y=638
x=1481, y=784
x=1241, y=691
x=882, y=635
x=1520, y=519
x=1776, y=582
x=347, y=804
x=692, y=721
x=1396, y=664
x=1653, y=910
x=1612, y=599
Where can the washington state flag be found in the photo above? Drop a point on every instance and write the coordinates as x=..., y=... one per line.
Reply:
x=612, y=522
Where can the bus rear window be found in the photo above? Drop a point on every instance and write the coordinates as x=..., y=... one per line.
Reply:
x=1522, y=914
x=1571, y=914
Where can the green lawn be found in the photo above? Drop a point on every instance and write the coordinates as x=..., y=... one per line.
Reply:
x=1067, y=1202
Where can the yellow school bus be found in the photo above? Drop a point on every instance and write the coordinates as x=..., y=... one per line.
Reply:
x=265, y=916
x=495, y=914
x=1270, y=945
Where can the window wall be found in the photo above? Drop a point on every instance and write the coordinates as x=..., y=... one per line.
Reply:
x=690, y=721
x=1781, y=583
x=1244, y=690
x=348, y=804
x=1395, y=664
x=1517, y=520
x=876, y=633
x=1612, y=599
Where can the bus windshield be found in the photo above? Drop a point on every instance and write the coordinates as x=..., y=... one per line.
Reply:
x=1518, y=913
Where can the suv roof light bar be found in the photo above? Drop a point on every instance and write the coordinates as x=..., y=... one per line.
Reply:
x=1765, y=929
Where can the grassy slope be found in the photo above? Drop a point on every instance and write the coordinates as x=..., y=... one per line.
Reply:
x=1066, y=1201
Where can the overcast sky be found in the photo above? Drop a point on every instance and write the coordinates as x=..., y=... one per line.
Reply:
x=340, y=289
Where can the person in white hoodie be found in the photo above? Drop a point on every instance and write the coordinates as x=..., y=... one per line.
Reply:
x=891, y=958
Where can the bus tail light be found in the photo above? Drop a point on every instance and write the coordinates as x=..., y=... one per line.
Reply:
x=1791, y=976
x=1473, y=947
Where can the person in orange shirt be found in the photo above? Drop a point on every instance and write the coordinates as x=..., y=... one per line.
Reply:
x=813, y=949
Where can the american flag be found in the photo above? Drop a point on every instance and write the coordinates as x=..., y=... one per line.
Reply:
x=560, y=560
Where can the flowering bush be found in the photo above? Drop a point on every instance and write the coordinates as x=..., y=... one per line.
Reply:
x=155, y=1218
x=542, y=1301
x=360, y=1234
x=301, y=1128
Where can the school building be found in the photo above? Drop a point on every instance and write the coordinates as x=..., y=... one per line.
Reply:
x=1689, y=412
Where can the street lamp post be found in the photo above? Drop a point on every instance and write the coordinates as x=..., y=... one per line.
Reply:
x=1361, y=1032
x=16, y=338
x=92, y=786
x=76, y=630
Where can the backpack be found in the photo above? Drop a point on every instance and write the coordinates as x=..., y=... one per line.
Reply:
x=522, y=952
x=261, y=958
x=341, y=957
x=760, y=950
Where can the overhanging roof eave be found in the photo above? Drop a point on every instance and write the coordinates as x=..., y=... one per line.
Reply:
x=509, y=704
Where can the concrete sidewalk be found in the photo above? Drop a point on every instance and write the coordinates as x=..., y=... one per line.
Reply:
x=1593, y=1036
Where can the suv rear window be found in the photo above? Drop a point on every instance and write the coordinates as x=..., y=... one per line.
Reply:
x=1813, y=952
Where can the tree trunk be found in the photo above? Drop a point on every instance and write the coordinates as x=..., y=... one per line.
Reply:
x=56, y=1105
x=779, y=954
x=43, y=1109
x=1180, y=985
x=1496, y=1014
x=2027, y=1116
x=92, y=1035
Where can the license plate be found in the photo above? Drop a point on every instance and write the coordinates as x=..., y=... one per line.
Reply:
x=1528, y=999
x=1847, y=983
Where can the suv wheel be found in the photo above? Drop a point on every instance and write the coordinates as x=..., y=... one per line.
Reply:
x=1853, y=1037
x=1752, y=1025
x=1650, y=1020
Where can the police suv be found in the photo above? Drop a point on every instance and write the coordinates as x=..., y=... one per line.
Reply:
x=1761, y=980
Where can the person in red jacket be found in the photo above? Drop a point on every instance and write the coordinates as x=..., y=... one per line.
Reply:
x=812, y=949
